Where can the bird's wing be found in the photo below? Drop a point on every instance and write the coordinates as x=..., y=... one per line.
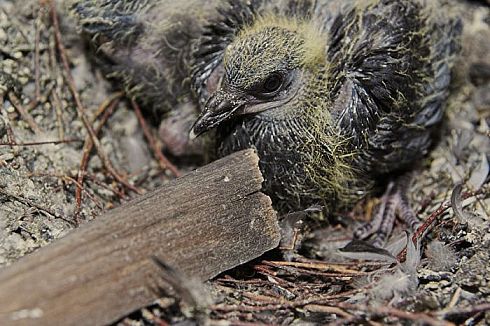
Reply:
x=390, y=74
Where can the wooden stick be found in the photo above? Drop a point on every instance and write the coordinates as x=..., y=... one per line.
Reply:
x=201, y=224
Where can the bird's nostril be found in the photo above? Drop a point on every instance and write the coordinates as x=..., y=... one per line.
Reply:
x=212, y=103
x=222, y=106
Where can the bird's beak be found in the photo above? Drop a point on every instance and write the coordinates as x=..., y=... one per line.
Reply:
x=220, y=107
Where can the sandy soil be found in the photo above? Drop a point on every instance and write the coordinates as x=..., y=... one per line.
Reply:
x=39, y=181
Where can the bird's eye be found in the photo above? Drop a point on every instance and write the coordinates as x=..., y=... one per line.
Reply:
x=273, y=83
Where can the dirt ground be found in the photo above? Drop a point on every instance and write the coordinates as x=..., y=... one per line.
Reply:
x=52, y=180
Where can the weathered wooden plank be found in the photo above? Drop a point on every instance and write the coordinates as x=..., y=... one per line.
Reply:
x=201, y=224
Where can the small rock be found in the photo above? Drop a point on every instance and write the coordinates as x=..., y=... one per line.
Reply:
x=6, y=157
x=437, y=285
x=481, y=98
x=17, y=55
x=3, y=35
x=479, y=73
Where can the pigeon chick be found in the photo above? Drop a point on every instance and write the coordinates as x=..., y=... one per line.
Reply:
x=338, y=97
x=333, y=99
x=146, y=47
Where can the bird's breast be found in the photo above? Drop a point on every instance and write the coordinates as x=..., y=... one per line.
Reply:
x=287, y=154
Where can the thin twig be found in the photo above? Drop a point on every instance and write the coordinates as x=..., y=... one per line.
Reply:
x=33, y=204
x=42, y=99
x=484, y=307
x=233, y=308
x=68, y=179
x=393, y=312
x=319, y=266
x=157, y=151
x=23, y=112
x=53, y=142
x=454, y=298
x=297, y=270
x=430, y=221
x=37, y=55
x=260, y=298
x=59, y=114
x=108, y=109
x=79, y=106
x=101, y=184
x=433, y=217
x=56, y=100
x=89, y=195
x=105, y=104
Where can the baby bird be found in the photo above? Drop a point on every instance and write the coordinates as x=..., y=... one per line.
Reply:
x=335, y=97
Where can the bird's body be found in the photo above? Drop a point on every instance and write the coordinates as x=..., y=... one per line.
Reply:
x=373, y=77
x=333, y=96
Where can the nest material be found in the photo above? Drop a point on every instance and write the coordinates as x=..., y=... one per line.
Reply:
x=38, y=193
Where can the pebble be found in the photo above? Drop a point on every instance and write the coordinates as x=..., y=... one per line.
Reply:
x=9, y=107
x=23, y=80
x=7, y=157
x=437, y=285
x=3, y=35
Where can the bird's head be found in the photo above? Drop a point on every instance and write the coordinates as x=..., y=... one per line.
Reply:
x=264, y=68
